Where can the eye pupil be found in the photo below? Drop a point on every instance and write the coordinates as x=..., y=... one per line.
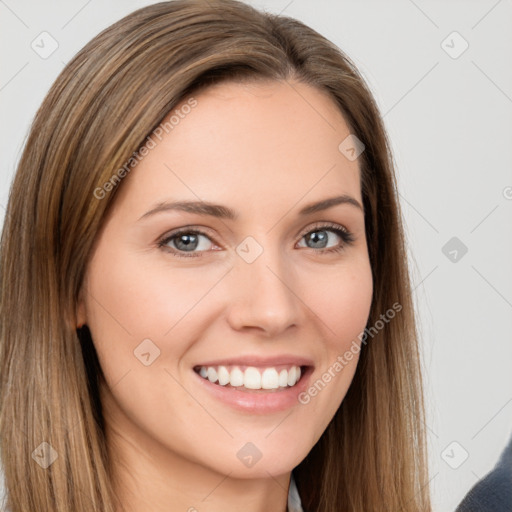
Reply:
x=188, y=241
x=318, y=237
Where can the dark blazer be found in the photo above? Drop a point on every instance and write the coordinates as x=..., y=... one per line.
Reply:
x=494, y=492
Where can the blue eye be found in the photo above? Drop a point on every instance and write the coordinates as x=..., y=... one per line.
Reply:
x=185, y=243
x=319, y=237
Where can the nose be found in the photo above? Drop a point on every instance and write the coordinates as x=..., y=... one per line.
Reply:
x=262, y=296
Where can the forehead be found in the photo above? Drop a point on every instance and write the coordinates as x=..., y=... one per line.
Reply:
x=248, y=145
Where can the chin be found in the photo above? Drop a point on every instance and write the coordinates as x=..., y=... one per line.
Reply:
x=258, y=459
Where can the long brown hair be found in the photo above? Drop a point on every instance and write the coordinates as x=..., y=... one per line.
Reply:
x=98, y=113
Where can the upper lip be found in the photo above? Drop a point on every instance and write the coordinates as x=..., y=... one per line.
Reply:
x=258, y=360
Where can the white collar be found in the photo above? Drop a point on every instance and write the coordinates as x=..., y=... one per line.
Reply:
x=294, y=502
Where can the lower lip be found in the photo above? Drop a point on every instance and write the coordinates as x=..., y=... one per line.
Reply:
x=259, y=401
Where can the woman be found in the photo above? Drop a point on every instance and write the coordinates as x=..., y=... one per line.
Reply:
x=204, y=282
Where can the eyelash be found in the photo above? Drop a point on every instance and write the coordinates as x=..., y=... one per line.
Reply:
x=346, y=236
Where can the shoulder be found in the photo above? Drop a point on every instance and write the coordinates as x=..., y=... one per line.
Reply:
x=494, y=492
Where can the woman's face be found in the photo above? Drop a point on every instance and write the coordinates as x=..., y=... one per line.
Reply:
x=248, y=290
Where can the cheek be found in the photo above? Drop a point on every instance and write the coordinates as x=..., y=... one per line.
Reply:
x=342, y=301
x=131, y=301
x=139, y=298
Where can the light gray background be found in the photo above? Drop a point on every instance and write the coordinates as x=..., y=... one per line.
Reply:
x=450, y=123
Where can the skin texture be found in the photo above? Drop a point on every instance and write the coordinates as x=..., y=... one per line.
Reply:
x=264, y=150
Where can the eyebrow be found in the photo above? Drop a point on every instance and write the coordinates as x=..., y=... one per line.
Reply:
x=223, y=212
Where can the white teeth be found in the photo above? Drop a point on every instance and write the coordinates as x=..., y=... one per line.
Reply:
x=251, y=378
x=283, y=378
x=236, y=377
x=223, y=375
x=270, y=379
x=292, y=374
x=212, y=374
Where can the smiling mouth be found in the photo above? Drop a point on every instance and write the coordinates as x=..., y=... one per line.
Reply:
x=252, y=378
